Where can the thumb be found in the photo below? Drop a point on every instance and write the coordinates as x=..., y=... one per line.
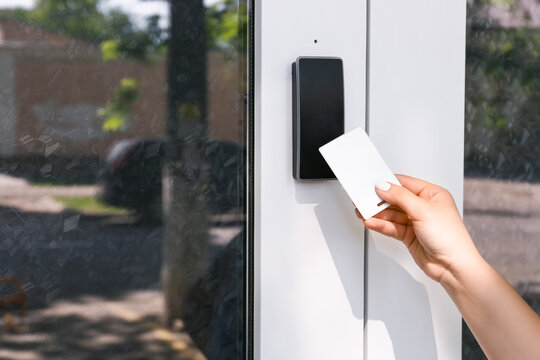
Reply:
x=400, y=196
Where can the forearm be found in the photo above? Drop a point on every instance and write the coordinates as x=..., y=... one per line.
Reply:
x=503, y=324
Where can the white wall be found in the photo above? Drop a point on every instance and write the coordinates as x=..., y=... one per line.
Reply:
x=416, y=109
x=309, y=245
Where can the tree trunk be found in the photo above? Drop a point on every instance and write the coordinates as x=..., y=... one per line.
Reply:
x=186, y=228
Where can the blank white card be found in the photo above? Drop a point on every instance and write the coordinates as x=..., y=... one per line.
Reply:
x=358, y=166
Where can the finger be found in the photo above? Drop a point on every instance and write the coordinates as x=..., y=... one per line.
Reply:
x=408, y=236
x=423, y=189
x=388, y=228
x=395, y=207
x=393, y=214
x=413, y=205
x=397, y=216
x=414, y=185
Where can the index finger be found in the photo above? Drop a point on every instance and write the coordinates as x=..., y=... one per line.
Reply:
x=414, y=185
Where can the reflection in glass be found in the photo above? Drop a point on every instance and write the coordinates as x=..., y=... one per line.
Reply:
x=502, y=155
x=107, y=117
x=205, y=230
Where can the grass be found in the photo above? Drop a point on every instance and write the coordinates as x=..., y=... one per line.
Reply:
x=62, y=183
x=90, y=205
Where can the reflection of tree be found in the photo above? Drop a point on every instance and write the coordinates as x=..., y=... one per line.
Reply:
x=503, y=97
x=186, y=227
x=119, y=39
x=117, y=36
x=119, y=106
x=226, y=25
x=82, y=19
x=203, y=289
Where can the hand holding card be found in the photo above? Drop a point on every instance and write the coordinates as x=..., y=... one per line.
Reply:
x=358, y=166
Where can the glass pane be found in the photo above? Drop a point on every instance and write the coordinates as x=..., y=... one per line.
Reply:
x=122, y=179
x=502, y=153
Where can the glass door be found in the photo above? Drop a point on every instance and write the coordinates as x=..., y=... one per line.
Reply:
x=123, y=179
x=502, y=153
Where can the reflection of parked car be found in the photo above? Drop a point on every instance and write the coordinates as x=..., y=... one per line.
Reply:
x=131, y=174
x=132, y=169
x=225, y=177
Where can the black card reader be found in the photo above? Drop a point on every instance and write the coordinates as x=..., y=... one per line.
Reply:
x=318, y=114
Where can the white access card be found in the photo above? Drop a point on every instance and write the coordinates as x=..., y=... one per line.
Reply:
x=358, y=166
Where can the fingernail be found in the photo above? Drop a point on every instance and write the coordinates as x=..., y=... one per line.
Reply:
x=382, y=185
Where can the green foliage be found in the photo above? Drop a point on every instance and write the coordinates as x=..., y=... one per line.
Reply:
x=117, y=35
x=119, y=39
x=133, y=43
x=66, y=17
x=82, y=19
x=225, y=28
x=110, y=50
x=118, y=108
x=502, y=135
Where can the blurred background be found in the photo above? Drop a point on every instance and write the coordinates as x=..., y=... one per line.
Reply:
x=122, y=172
x=502, y=143
x=122, y=157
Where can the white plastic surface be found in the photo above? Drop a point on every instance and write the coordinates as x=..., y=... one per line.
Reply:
x=416, y=109
x=358, y=166
x=309, y=245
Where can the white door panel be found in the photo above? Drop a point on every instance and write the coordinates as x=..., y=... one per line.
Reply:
x=309, y=245
x=309, y=296
x=416, y=93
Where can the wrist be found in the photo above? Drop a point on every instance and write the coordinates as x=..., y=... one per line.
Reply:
x=465, y=267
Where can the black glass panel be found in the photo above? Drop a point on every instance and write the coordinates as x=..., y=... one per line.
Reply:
x=320, y=112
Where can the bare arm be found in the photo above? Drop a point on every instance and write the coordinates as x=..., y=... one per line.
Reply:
x=424, y=217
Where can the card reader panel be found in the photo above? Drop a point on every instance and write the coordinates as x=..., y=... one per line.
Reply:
x=318, y=114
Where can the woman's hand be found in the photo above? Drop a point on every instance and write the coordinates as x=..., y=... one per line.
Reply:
x=425, y=218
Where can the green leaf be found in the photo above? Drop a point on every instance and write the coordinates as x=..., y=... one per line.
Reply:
x=114, y=122
x=110, y=50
